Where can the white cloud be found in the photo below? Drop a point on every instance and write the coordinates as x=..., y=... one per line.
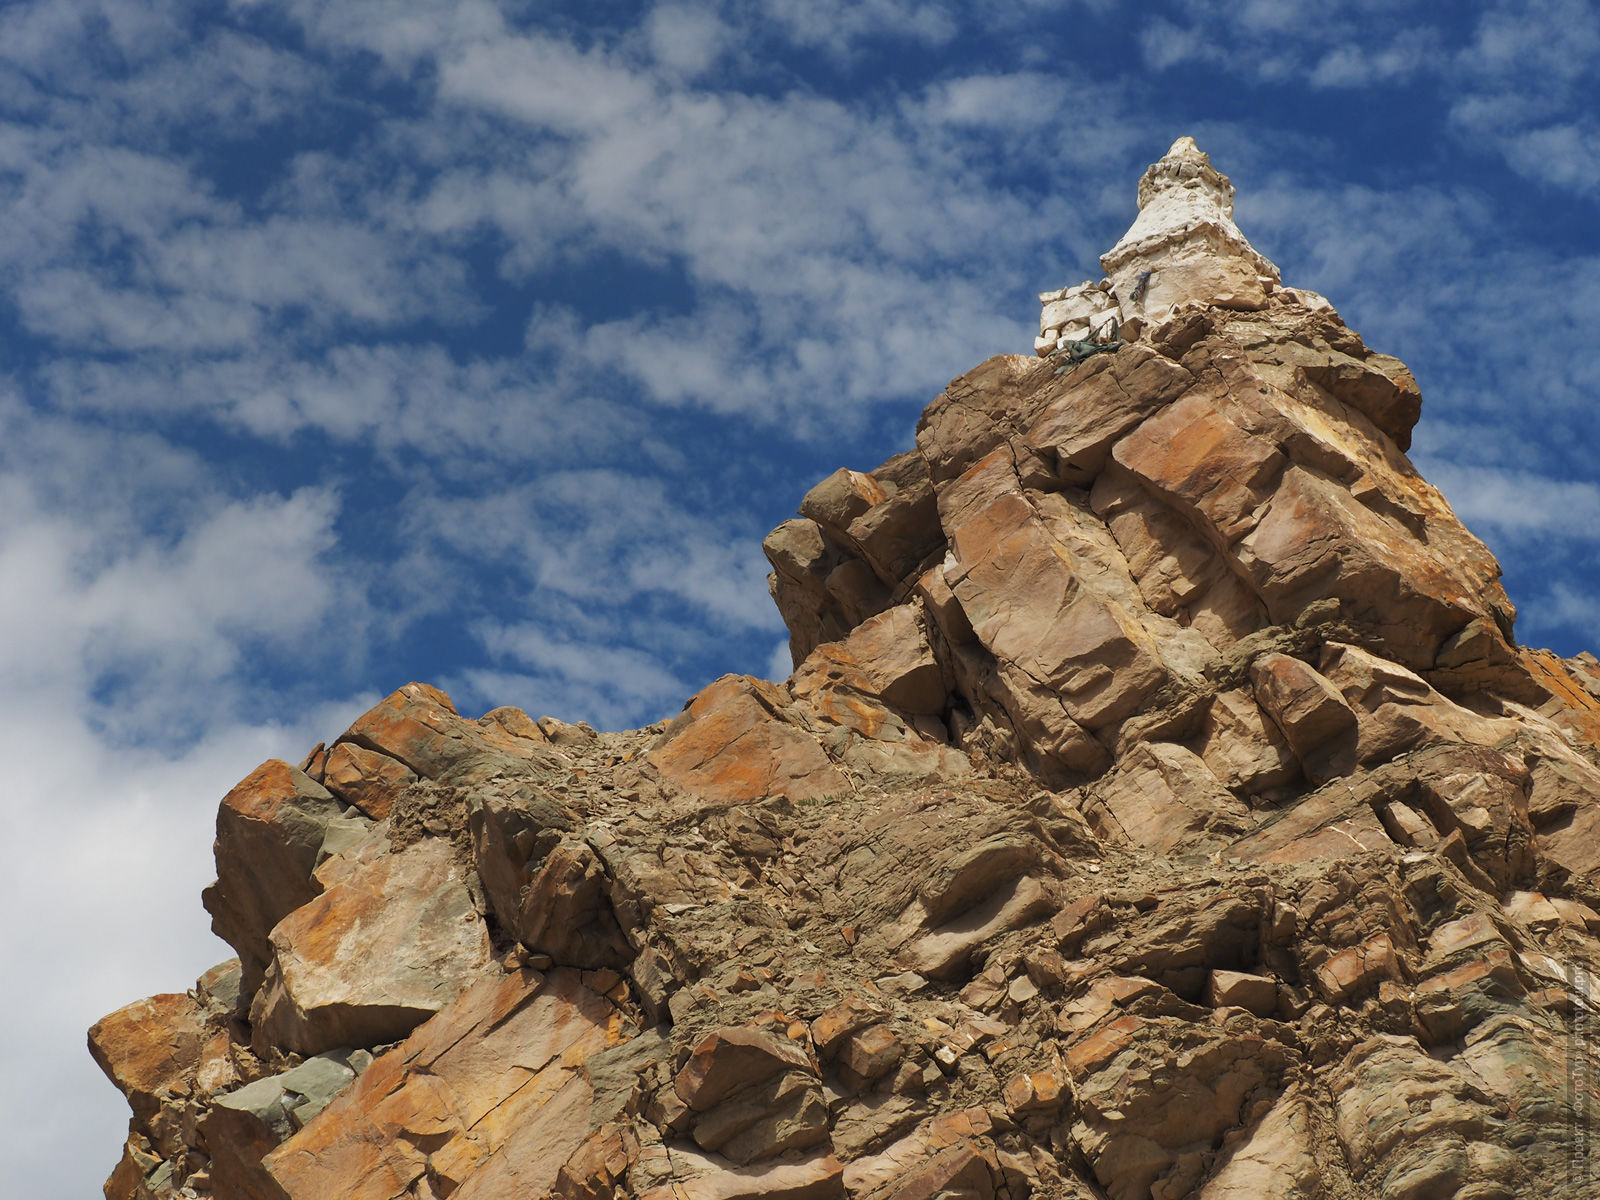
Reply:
x=1566, y=155
x=1522, y=504
x=545, y=82
x=1166, y=44
x=1522, y=85
x=1544, y=42
x=613, y=686
x=1351, y=65
x=67, y=33
x=400, y=37
x=105, y=855
x=685, y=39
x=1563, y=611
x=414, y=396
x=61, y=191
x=613, y=539
x=1019, y=101
x=838, y=25
x=147, y=633
x=781, y=665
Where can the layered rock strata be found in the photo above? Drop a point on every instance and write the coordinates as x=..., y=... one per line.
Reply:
x=1160, y=806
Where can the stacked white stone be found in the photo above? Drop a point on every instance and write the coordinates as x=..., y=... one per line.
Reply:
x=1074, y=314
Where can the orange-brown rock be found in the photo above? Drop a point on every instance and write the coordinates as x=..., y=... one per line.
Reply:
x=821, y=589
x=939, y=1153
x=841, y=498
x=489, y=1099
x=733, y=745
x=1256, y=993
x=1197, y=457
x=1278, y=1158
x=376, y=954
x=565, y=911
x=690, y=1175
x=270, y=834
x=1302, y=704
x=1358, y=969
x=418, y=727
x=1162, y=807
x=148, y=1047
x=1242, y=748
x=365, y=778
x=1080, y=417
x=732, y=1059
x=1030, y=602
x=1159, y=797
x=886, y=656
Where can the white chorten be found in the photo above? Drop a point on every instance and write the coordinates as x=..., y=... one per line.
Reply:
x=1183, y=248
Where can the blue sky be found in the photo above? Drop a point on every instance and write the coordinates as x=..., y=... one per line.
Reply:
x=344, y=344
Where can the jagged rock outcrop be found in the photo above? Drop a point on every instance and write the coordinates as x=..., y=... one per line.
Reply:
x=1160, y=806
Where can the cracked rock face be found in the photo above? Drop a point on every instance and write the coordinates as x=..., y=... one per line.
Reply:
x=1160, y=806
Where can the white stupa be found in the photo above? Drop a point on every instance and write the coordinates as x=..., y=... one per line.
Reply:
x=1183, y=248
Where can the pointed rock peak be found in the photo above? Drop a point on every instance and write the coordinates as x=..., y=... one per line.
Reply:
x=1182, y=250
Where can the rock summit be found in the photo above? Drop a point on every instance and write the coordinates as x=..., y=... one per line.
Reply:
x=1160, y=806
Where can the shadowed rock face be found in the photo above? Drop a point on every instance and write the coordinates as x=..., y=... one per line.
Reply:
x=1160, y=806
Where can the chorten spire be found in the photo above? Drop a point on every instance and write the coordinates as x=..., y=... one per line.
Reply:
x=1182, y=249
x=1185, y=237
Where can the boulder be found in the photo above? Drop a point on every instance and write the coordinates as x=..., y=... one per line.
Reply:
x=897, y=536
x=243, y=1126
x=753, y=1095
x=1198, y=456
x=1357, y=970
x=1159, y=797
x=1278, y=1158
x=1083, y=416
x=951, y=1155
x=374, y=956
x=489, y=1098
x=821, y=589
x=1303, y=704
x=841, y=498
x=270, y=834
x=1242, y=748
x=365, y=778
x=1028, y=602
x=418, y=727
x=1255, y=993
x=731, y=1059
x=732, y=744
x=511, y=832
x=690, y=1175
x=565, y=910
x=887, y=656
x=149, y=1047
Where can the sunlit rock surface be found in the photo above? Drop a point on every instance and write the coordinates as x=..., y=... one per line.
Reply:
x=1160, y=806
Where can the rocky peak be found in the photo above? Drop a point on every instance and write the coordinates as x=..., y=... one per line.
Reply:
x=1160, y=806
